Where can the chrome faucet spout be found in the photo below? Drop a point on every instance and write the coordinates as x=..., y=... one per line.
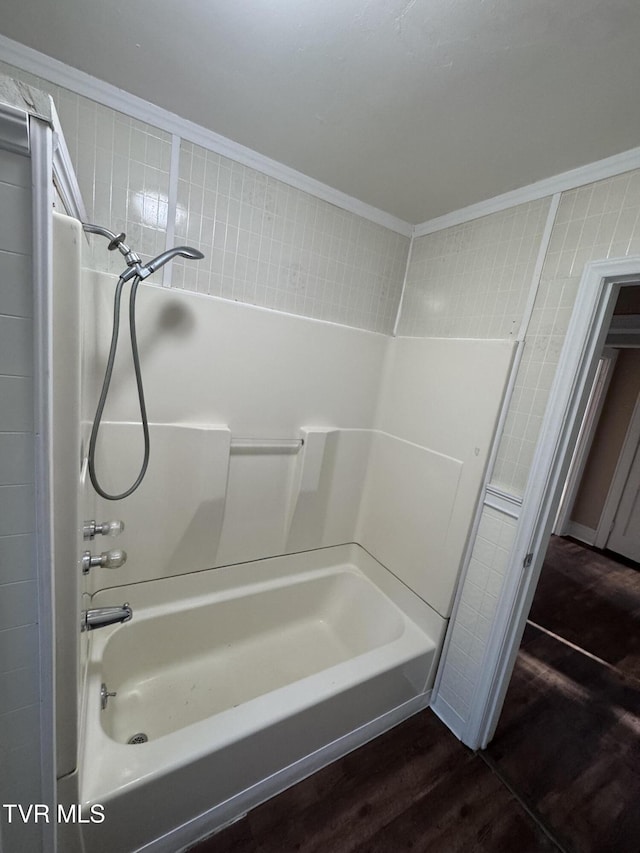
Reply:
x=100, y=617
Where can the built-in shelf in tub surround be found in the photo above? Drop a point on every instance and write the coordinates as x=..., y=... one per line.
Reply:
x=212, y=498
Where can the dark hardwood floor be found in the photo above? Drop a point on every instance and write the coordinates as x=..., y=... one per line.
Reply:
x=562, y=773
x=568, y=740
x=414, y=788
x=593, y=601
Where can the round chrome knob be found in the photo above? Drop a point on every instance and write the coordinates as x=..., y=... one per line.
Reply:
x=107, y=560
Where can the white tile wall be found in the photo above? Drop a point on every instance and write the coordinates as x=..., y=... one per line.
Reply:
x=17, y=552
x=16, y=346
x=16, y=457
x=18, y=604
x=477, y=608
x=16, y=412
x=19, y=670
x=15, y=218
x=15, y=272
x=472, y=280
x=17, y=650
x=601, y=220
x=265, y=243
x=269, y=244
x=20, y=765
x=122, y=166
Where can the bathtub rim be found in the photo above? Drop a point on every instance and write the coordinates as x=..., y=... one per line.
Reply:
x=316, y=558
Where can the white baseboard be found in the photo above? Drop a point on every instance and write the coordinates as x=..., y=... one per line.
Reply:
x=582, y=532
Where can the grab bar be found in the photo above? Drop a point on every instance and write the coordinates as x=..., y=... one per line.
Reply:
x=266, y=445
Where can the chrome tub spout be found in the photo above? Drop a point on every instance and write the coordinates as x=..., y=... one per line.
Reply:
x=99, y=617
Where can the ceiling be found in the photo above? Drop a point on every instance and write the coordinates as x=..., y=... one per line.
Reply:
x=417, y=107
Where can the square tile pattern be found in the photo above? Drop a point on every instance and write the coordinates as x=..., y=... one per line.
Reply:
x=19, y=654
x=265, y=243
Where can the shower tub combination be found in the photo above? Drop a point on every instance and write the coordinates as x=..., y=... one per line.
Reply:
x=233, y=683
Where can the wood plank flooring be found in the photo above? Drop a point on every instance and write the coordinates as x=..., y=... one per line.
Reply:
x=568, y=740
x=414, y=788
x=564, y=764
x=591, y=600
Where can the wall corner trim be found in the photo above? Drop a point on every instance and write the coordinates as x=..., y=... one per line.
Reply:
x=451, y=718
x=64, y=175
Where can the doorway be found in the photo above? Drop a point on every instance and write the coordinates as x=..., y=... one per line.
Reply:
x=600, y=504
x=574, y=701
x=599, y=287
x=568, y=739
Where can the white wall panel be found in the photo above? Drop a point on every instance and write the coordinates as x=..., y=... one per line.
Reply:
x=211, y=361
x=407, y=514
x=261, y=374
x=442, y=398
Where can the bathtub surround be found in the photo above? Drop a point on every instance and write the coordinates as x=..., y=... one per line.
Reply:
x=263, y=376
x=437, y=413
x=396, y=467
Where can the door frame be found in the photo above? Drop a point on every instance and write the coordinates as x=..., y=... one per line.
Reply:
x=619, y=481
x=595, y=404
x=584, y=342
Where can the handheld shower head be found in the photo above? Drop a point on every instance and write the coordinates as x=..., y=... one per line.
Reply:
x=137, y=272
x=161, y=260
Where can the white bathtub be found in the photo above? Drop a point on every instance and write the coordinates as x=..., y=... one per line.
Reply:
x=245, y=679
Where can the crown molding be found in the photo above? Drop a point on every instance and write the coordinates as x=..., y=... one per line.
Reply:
x=60, y=74
x=598, y=171
x=34, y=62
x=14, y=130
